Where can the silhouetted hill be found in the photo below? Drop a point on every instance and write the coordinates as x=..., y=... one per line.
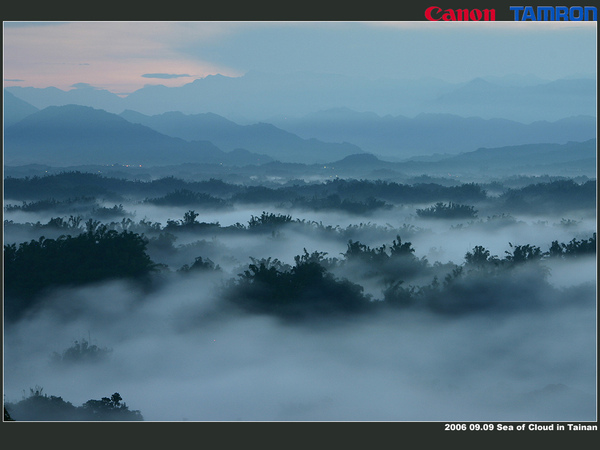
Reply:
x=573, y=159
x=15, y=109
x=529, y=154
x=243, y=157
x=363, y=160
x=67, y=135
x=260, y=138
x=570, y=159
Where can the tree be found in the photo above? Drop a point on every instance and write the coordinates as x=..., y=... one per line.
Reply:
x=189, y=218
x=268, y=220
x=81, y=351
x=189, y=222
x=41, y=407
x=556, y=250
x=523, y=253
x=7, y=417
x=109, y=409
x=95, y=255
x=392, y=264
x=582, y=247
x=398, y=249
x=201, y=264
x=450, y=211
x=480, y=258
x=304, y=290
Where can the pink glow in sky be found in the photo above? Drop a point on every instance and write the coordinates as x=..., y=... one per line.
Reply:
x=125, y=56
x=107, y=55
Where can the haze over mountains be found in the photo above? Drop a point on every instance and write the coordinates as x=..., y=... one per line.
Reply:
x=257, y=97
x=399, y=136
x=73, y=134
x=15, y=109
x=258, y=138
x=80, y=135
x=354, y=217
x=312, y=120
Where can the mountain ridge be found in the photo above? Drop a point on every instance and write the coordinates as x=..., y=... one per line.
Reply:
x=15, y=109
x=260, y=96
x=389, y=136
x=261, y=137
x=402, y=137
x=82, y=134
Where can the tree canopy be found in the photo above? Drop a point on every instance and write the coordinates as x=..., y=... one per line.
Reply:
x=95, y=255
x=42, y=407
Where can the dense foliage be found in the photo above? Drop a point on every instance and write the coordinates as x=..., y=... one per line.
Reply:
x=378, y=273
x=449, y=211
x=82, y=252
x=95, y=255
x=42, y=407
x=482, y=281
x=81, y=351
x=313, y=285
x=305, y=290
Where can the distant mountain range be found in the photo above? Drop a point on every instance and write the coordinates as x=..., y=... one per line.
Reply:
x=574, y=159
x=261, y=138
x=399, y=137
x=73, y=134
x=262, y=97
x=15, y=109
x=570, y=159
x=67, y=135
x=394, y=138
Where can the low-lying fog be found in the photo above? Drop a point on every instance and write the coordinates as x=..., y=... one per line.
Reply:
x=176, y=357
x=174, y=360
x=442, y=240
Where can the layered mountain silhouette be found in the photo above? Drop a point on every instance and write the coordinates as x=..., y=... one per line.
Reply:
x=395, y=137
x=257, y=97
x=15, y=109
x=574, y=158
x=260, y=138
x=400, y=136
x=328, y=119
x=570, y=159
x=81, y=94
x=72, y=134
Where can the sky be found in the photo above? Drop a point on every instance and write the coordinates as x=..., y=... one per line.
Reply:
x=122, y=57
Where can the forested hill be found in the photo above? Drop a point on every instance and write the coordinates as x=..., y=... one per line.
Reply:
x=573, y=159
x=349, y=194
